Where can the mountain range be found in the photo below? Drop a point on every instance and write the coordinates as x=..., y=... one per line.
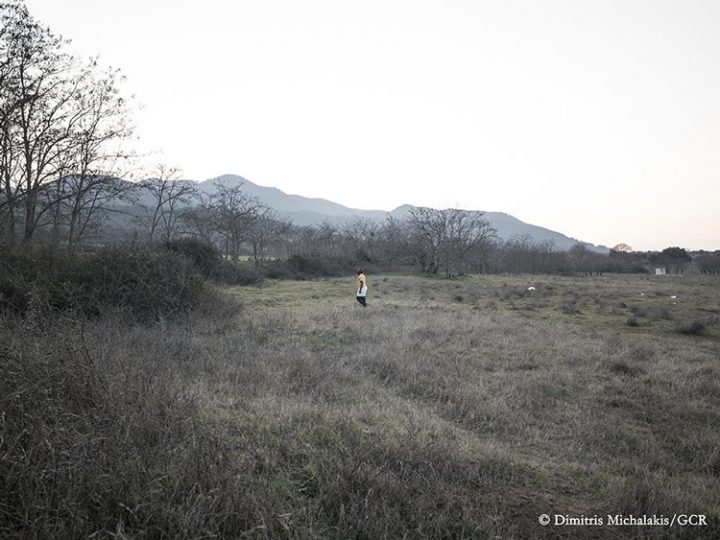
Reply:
x=315, y=211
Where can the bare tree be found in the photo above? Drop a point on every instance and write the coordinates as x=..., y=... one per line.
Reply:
x=199, y=220
x=8, y=110
x=466, y=232
x=362, y=234
x=622, y=248
x=286, y=237
x=93, y=183
x=234, y=212
x=80, y=203
x=56, y=114
x=168, y=194
x=445, y=238
x=328, y=241
x=393, y=240
x=262, y=231
x=428, y=230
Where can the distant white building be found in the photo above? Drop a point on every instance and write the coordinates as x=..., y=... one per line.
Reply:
x=660, y=271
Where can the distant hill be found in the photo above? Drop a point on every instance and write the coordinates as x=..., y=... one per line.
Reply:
x=300, y=210
x=314, y=211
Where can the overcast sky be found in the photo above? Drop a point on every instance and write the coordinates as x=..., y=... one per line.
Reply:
x=599, y=119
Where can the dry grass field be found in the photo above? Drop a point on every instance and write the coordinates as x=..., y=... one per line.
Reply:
x=470, y=407
x=446, y=409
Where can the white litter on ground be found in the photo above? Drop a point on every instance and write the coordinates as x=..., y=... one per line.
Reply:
x=531, y=288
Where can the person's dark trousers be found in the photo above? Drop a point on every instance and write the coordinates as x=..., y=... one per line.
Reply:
x=361, y=299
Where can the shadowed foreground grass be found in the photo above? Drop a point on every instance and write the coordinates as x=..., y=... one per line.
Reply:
x=446, y=409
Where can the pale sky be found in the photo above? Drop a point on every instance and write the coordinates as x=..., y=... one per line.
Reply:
x=599, y=119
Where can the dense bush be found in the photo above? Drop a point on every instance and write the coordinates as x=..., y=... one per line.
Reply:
x=232, y=273
x=204, y=255
x=301, y=267
x=694, y=328
x=148, y=284
x=209, y=262
x=313, y=266
x=708, y=263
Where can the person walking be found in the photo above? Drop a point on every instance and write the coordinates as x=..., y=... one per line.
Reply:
x=362, y=288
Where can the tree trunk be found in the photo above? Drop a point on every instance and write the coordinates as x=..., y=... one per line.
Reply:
x=30, y=207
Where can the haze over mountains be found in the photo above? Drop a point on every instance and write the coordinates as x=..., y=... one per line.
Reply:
x=315, y=211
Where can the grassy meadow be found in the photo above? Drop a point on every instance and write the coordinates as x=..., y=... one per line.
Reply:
x=446, y=409
x=489, y=403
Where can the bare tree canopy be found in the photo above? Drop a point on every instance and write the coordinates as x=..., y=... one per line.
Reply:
x=167, y=194
x=61, y=123
x=446, y=239
x=234, y=214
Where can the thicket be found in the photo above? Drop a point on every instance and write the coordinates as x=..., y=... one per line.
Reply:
x=145, y=283
x=210, y=263
x=98, y=433
x=302, y=267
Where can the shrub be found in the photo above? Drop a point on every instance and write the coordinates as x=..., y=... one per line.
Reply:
x=207, y=260
x=147, y=284
x=301, y=267
x=278, y=269
x=232, y=273
x=310, y=266
x=570, y=308
x=694, y=328
x=204, y=255
x=621, y=367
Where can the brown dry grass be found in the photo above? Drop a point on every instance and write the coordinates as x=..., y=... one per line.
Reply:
x=455, y=409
